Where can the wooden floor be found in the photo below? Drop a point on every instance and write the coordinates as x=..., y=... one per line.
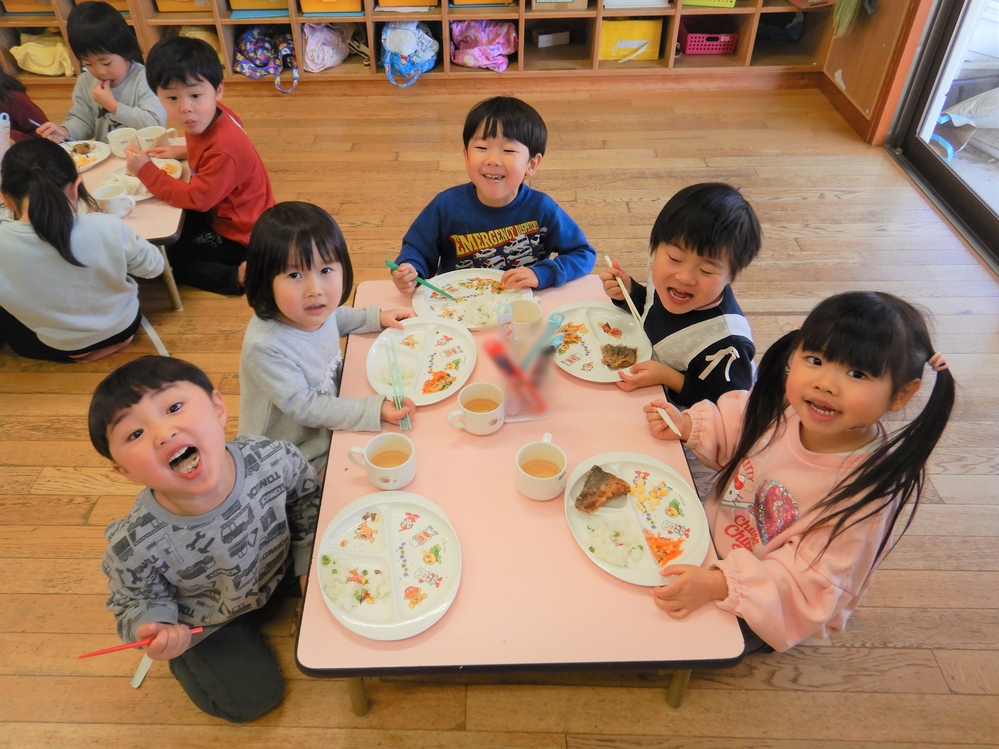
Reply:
x=918, y=665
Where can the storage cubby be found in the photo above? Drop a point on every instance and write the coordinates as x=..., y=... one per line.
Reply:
x=709, y=29
x=584, y=19
x=513, y=58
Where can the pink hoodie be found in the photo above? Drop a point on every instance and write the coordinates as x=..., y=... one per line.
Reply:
x=774, y=581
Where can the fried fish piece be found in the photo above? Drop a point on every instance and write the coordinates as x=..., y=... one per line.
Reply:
x=600, y=487
x=618, y=357
x=82, y=148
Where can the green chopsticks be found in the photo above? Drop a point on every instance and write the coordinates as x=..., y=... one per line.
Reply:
x=419, y=280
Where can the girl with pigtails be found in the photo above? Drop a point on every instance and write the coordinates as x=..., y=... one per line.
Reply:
x=811, y=485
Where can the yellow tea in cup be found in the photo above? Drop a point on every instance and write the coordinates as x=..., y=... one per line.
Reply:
x=390, y=458
x=481, y=405
x=542, y=469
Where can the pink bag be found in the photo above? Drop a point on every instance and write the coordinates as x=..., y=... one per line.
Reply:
x=483, y=44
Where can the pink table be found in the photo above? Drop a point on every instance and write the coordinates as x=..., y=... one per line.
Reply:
x=528, y=597
x=156, y=221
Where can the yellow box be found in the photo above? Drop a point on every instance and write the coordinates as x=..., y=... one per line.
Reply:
x=479, y=2
x=258, y=4
x=331, y=6
x=183, y=6
x=548, y=5
x=406, y=3
x=28, y=6
x=620, y=39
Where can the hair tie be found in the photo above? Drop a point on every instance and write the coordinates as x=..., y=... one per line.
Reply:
x=937, y=362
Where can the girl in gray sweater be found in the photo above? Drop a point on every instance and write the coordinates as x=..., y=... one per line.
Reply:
x=65, y=290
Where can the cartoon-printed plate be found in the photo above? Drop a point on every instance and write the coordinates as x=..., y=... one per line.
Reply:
x=661, y=522
x=389, y=565
x=94, y=152
x=132, y=184
x=478, y=291
x=435, y=358
x=587, y=328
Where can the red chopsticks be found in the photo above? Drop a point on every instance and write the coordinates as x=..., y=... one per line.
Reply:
x=129, y=645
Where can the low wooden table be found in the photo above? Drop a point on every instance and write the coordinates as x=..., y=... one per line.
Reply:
x=157, y=222
x=529, y=598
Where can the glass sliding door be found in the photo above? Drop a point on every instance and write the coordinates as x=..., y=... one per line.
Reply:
x=948, y=128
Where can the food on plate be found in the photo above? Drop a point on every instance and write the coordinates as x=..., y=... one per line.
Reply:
x=618, y=357
x=611, y=331
x=438, y=382
x=570, y=334
x=348, y=586
x=615, y=540
x=81, y=160
x=406, y=374
x=663, y=548
x=83, y=147
x=131, y=184
x=172, y=169
x=599, y=488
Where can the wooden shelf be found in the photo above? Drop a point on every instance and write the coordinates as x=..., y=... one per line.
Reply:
x=577, y=58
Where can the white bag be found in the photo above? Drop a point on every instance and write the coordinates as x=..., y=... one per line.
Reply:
x=326, y=45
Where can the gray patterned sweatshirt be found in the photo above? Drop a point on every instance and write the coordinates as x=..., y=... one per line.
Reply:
x=208, y=569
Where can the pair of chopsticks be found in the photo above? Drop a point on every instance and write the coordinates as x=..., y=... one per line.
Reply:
x=64, y=139
x=420, y=281
x=397, y=389
x=627, y=296
x=130, y=645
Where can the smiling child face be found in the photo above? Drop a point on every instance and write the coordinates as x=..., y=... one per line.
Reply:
x=686, y=281
x=498, y=166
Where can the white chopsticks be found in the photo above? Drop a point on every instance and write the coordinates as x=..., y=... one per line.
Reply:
x=398, y=392
x=627, y=296
x=669, y=422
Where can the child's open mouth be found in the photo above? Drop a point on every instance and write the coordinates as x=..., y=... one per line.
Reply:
x=493, y=177
x=823, y=411
x=185, y=460
x=679, y=296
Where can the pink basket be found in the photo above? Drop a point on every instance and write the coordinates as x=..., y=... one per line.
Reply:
x=707, y=35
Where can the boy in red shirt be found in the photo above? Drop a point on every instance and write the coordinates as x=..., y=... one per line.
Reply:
x=229, y=187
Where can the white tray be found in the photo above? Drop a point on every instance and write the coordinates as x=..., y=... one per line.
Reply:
x=661, y=502
x=404, y=542
x=462, y=285
x=601, y=323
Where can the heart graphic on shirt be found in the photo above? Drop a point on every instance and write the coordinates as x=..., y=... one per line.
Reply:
x=774, y=510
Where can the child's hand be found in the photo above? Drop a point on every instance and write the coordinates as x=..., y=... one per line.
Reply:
x=642, y=375
x=660, y=429
x=389, y=318
x=134, y=160
x=53, y=132
x=101, y=94
x=609, y=276
x=393, y=415
x=168, y=152
x=520, y=278
x=171, y=639
x=692, y=588
x=404, y=278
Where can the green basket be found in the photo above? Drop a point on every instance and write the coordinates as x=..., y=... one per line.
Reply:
x=711, y=3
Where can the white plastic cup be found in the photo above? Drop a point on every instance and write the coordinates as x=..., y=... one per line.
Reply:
x=114, y=199
x=526, y=317
x=543, y=453
x=120, y=139
x=151, y=137
x=477, y=421
x=395, y=473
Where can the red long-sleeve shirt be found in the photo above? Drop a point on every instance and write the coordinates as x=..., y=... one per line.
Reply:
x=22, y=110
x=228, y=179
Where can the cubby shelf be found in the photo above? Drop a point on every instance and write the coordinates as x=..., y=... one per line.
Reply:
x=580, y=57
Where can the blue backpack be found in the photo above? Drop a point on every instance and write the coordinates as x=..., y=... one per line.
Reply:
x=408, y=50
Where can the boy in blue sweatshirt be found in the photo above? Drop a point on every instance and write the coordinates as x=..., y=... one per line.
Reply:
x=496, y=221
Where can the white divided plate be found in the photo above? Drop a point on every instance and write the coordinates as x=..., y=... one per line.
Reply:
x=389, y=565
x=98, y=152
x=435, y=358
x=116, y=177
x=476, y=292
x=587, y=327
x=662, y=507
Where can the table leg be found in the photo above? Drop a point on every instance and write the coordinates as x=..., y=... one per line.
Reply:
x=170, y=282
x=677, y=688
x=359, y=697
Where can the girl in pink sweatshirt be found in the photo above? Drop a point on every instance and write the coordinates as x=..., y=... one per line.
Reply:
x=811, y=483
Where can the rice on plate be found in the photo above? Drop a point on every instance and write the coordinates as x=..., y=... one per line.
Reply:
x=350, y=586
x=615, y=540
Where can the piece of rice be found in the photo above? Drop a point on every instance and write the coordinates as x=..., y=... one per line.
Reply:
x=615, y=539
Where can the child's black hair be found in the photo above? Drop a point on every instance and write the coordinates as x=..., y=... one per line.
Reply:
x=713, y=220
x=881, y=335
x=518, y=120
x=95, y=28
x=183, y=60
x=40, y=170
x=127, y=385
x=8, y=85
x=284, y=236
